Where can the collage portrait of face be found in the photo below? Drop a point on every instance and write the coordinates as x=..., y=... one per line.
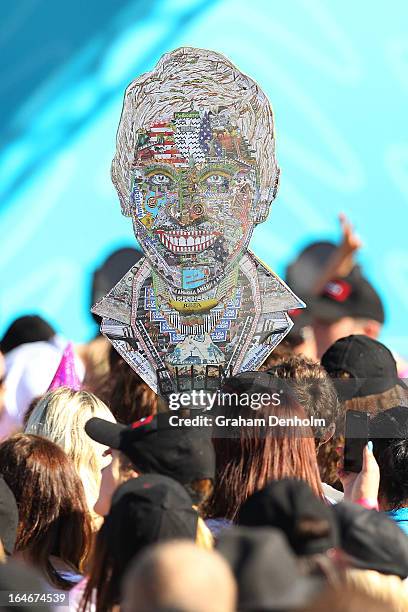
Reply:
x=193, y=194
x=195, y=169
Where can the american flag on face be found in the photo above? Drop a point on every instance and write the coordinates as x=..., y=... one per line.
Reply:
x=161, y=142
x=208, y=143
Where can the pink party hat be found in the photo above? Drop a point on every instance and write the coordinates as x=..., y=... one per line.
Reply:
x=66, y=375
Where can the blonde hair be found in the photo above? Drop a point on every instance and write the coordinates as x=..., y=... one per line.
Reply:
x=60, y=416
x=204, y=537
x=208, y=81
x=3, y=557
x=388, y=589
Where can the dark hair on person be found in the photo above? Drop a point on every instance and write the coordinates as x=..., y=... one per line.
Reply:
x=107, y=569
x=200, y=491
x=29, y=328
x=30, y=409
x=315, y=391
x=328, y=461
x=254, y=455
x=389, y=432
x=312, y=387
x=126, y=393
x=53, y=515
x=107, y=590
x=279, y=354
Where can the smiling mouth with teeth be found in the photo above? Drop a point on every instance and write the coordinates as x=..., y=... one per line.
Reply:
x=181, y=241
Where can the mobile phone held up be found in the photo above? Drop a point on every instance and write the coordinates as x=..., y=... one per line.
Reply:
x=356, y=434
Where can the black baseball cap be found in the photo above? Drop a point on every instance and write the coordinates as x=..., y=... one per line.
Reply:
x=154, y=446
x=372, y=539
x=290, y=505
x=8, y=517
x=111, y=271
x=303, y=272
x=146, y=510
x=351, y=296
x=266, y=570
x=369, y=363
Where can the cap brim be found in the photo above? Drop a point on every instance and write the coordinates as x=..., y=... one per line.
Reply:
x=104, y=432
x=326, y=310
x=302, y=318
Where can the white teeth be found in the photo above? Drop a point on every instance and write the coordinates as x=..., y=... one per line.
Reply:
x=182, y=241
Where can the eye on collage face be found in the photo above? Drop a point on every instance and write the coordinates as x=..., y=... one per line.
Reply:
x=193, y=195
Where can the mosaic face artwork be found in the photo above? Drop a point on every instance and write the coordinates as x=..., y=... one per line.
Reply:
x=195, y=170
x=194, y=192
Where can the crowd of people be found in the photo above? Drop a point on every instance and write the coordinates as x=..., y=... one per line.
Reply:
x=104, y=501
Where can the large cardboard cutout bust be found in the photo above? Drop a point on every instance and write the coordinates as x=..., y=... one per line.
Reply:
x=195, y=169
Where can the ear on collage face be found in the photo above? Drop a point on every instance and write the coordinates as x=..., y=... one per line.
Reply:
x=261, y=214
x=261, y=210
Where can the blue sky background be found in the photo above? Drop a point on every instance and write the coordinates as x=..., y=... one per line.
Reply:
x=337, y=76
